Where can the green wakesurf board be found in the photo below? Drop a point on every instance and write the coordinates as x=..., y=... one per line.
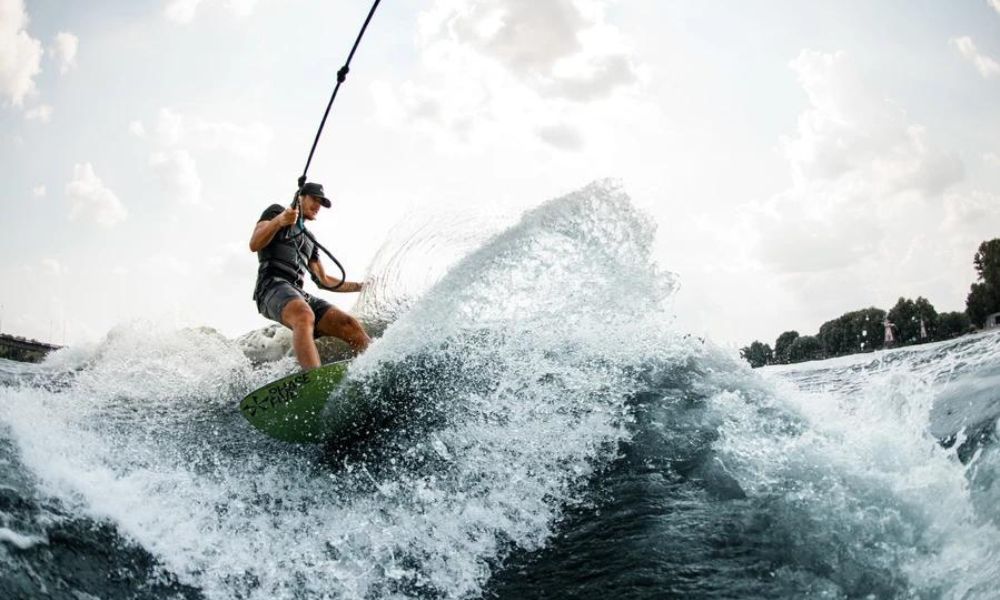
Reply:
x=293, y=409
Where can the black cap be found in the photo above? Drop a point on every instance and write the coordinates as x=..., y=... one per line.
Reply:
x=316, y=191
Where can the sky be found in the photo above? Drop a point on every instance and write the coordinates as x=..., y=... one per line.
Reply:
x=800, y=160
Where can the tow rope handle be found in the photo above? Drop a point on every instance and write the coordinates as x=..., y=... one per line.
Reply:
x=299, y=221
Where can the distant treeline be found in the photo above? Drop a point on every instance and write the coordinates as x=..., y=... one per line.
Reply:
x=913, y=322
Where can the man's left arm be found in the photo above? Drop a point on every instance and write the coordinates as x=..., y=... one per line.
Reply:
x=325, y=281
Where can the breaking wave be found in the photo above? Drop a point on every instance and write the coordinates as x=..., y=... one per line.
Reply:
x=552, y=435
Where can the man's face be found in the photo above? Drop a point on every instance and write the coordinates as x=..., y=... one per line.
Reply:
x=310, y=208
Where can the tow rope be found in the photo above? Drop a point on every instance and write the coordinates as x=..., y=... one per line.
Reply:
x=341, y=77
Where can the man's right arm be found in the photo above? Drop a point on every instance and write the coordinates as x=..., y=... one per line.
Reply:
x=265, y=230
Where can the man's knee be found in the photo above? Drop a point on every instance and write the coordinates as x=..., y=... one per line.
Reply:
x=338, y=323
x=352, y=329
x=353, y=325
x=297, y=314
x=346, y=321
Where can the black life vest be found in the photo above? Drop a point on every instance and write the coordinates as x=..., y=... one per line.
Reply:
x=285, y=257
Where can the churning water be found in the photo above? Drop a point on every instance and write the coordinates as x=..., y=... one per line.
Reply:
x=559, y=438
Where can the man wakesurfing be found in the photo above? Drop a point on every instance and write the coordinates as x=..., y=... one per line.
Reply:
x=285, y=249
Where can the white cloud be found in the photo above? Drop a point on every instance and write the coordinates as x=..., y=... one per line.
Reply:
x=38, y=191
x=228, y=262
x=991, y=158
x=860, y=172
x=90, y=199
x=542, y=44
x=250, y=142
x=184, y=11
x=975, y=215
x=168, y=127
x=241, y=8
x=995, y=4
x=987, y=66
x=53, y=266
x=561, y=135
x=64, y=50
x=181, y=11
x=493, y=67
x=178, y=171
x=20, y=54
x=176, y=140
x=41, y=113
x=163, y=261
x=851, y=130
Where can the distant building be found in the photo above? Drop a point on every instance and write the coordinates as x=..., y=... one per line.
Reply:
x=22, y=349
x=992, y=321
x=890, y=340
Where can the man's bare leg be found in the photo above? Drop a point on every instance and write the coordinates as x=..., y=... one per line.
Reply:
x=298, y=317
x=341, y=325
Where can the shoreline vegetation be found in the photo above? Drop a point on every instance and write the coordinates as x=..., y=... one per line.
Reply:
x=907, y=323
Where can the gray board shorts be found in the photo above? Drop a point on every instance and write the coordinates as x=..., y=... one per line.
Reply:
x=277, y=293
